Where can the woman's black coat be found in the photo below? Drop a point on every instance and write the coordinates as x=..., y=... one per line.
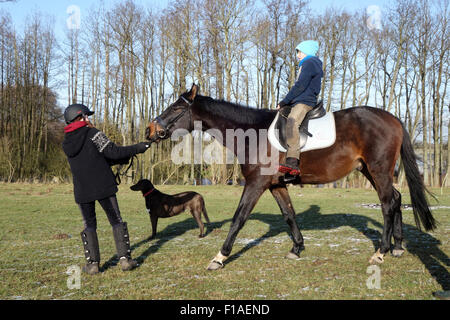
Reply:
x=90, y=154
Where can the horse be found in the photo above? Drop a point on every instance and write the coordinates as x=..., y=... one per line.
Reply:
x=368, y=139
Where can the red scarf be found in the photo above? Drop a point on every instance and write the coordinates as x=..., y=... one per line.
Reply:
x=75, y=126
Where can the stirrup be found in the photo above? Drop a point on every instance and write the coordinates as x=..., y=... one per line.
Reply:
x=288, y=178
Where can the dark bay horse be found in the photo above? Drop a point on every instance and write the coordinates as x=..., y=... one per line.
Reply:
x=367, y=139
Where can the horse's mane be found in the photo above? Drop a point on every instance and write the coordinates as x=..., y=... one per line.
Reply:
x=235, y=112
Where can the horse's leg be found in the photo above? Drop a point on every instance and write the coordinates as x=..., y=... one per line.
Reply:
x=385, y=192
x=398, y=225
x=390, y=200
x=281, y=195
x=249, y=198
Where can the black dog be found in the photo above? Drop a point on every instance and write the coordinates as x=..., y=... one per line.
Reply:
x=160, y=205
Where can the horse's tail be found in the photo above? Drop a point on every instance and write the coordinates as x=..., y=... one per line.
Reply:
x=416, y=185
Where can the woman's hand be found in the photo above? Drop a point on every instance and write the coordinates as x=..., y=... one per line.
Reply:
x=142, y=146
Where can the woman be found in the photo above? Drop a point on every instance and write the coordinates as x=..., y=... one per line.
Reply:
x=90, y=154
x=303, y=97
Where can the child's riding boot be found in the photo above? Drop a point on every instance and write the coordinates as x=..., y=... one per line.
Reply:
x=290, y=169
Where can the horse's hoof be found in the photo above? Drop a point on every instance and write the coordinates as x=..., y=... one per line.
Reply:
x=377, y=258
x=215, y=265
x=397, y=252
x=292, y=256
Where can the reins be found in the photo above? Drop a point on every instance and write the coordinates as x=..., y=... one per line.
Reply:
x=118, y=173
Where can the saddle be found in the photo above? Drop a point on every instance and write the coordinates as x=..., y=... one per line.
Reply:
x=317, y=112
x=317, y=130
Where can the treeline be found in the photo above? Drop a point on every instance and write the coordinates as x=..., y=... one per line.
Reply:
x=128, y=63
x=30, y=133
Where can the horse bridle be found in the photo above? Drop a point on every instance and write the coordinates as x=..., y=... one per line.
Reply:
x=166, y=126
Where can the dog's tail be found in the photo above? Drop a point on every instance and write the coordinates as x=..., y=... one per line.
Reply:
x=204, y=211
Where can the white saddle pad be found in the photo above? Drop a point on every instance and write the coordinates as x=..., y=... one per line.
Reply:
x=323, y=132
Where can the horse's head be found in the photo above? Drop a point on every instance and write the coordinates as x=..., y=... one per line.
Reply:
x=177, y=115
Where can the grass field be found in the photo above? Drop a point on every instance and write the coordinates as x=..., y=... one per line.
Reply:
x=39, y=241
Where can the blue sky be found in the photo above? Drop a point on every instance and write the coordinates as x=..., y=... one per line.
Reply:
x=21, y=9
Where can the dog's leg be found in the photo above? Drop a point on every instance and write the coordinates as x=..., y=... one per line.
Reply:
x=197, y=216
x=154, y=221
x=205, y=214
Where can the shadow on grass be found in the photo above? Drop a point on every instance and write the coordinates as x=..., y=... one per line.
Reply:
x=170, y=232
x=418, y=243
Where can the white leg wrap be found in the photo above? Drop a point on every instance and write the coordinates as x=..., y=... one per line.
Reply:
x=220, y=258
x=378, y=257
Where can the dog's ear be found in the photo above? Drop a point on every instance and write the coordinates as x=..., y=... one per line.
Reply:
x=146, y=184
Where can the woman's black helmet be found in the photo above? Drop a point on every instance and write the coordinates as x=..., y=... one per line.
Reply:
x=75, y=110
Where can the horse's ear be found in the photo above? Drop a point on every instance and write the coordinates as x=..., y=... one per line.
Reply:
x=194, y=91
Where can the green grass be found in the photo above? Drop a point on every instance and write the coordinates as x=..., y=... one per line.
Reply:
x=40, y=226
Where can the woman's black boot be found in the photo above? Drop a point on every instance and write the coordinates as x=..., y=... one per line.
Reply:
x=122, y=240
x=91, y=251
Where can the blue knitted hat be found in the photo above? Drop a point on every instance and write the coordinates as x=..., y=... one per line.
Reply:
x=308, y=47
